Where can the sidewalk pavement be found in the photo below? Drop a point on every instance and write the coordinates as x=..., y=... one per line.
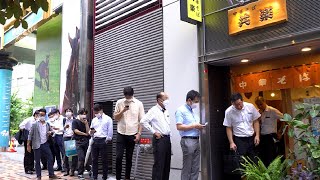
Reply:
x=11, y=168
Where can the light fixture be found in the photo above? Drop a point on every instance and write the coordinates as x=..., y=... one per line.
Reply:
x=306, y=49
x=272, y=94
x=245, y=60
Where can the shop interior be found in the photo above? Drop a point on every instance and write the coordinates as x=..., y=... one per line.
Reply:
x=222, y=77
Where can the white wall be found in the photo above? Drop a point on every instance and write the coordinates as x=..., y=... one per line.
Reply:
x=23, y=80
x=180, y=66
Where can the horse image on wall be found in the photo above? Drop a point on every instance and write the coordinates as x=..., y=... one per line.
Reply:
x=72, y=96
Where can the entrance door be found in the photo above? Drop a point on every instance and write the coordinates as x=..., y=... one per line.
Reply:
x=219, y=101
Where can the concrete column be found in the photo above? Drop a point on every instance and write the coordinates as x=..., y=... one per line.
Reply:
x=86, y=54
x=6, y=64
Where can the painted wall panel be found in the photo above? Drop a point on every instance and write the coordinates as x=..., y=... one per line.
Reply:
x=47, y=63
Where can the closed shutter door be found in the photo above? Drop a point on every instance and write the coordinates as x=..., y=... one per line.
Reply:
x=131, y=55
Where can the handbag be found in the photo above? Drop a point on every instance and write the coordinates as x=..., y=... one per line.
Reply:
x=232, y=162
x=70, y=148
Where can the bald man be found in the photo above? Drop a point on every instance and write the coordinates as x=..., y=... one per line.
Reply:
x=269, y=130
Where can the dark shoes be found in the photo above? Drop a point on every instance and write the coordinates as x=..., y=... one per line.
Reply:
x=81, y=177
x=29, y=172
x=66, y=173
x=71, y=173
x=54, y=177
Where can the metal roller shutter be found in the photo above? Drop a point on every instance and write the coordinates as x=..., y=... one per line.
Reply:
x=131, y=55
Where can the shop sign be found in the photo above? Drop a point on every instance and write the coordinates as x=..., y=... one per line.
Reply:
x=256, y=15
x=294, y=77
x=194, y=10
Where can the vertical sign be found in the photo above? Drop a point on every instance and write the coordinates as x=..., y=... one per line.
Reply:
x=69, y=84
x=194, y=10
x=5, y=95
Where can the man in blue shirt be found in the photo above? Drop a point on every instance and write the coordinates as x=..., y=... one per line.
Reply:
x=188, y=124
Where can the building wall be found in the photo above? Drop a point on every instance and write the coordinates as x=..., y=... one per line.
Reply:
x=180, y=68
x=23, y=80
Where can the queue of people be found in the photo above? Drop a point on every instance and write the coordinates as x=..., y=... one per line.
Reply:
x=45, y=144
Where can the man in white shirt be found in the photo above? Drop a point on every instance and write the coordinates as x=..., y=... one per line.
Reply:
x=270, y=116
x=58, y=138
x=157, y=121
x=128, y=113
x=102, y=131
x=242, y=126
x=25, y=127
x=67, y=135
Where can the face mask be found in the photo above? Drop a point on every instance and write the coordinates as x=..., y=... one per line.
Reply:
x=165, y=103
x=42, y=118
x=55, y=117
x=98, y=115
x=194, y=105
x=83, y=116
x=68, y=114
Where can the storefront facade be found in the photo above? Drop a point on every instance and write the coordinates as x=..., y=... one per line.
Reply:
x=255, y=48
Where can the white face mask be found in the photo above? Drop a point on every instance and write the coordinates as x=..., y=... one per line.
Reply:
x=165, y=103
x=194, y=105
x=42, y=118
x=56, y=116
x=83, y=116
x=98, y=115
x=69, y=114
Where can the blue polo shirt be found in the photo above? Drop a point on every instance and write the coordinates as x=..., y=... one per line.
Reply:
x=185, y=115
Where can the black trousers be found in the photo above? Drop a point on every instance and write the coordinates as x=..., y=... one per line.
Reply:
x=162, y=158
x=44, y=159
x=59, y=149
x=82, y=147
x=245, y=147
x=99, y=146
x=267, y=148
x=28, y=160
x=66, y=159
x=124, y=142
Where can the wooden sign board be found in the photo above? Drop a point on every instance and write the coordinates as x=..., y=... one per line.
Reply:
x=256, y=15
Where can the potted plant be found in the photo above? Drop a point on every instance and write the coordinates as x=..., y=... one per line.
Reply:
x=300, y=128
x=277, y=170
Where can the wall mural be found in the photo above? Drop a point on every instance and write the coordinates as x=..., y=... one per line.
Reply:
x=69, y=74
x=72, y=94
x=47, y=63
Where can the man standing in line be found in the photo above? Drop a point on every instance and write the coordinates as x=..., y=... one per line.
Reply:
x=58, y=139
x=81, y=135
x=270, y=116
x=38, y=135
x=158, y=117
x=68, y=134
x=102, y=131
x=242, y=126
x=188, y=124
x=128, y=113
x=26, y=125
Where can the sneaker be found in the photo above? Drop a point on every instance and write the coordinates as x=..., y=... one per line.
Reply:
x=81, y=177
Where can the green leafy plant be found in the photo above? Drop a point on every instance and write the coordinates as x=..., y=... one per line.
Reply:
x=277, y=169
x=14, y=8
x=299, y=128
x=19, y=111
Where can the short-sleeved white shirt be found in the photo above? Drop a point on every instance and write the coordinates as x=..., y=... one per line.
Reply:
x=269, y=119
x=241, y=121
